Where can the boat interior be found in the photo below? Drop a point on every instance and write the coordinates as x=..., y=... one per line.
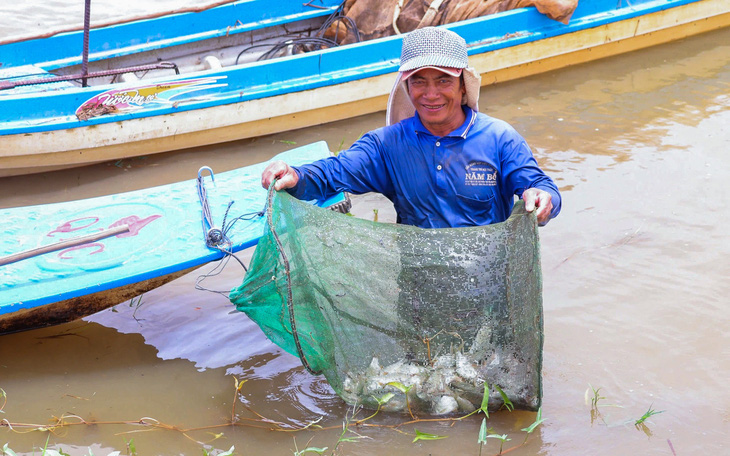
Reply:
x=113, y=58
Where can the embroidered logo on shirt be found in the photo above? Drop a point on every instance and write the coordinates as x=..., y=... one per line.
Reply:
x=480, y=173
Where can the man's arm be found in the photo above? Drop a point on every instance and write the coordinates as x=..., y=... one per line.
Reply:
x=360, y=169
x=524, y=176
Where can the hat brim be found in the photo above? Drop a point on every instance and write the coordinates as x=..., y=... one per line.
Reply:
x=455, y=72
x=399, y=102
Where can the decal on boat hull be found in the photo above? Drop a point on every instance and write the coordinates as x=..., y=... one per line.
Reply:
x=129, y=99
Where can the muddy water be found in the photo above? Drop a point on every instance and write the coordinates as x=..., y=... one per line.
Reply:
x=32, y=17
x=635, y=291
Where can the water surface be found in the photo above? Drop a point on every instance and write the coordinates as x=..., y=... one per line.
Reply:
x=635, y=290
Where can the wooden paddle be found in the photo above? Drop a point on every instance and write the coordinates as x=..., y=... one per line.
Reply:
x=64, y=244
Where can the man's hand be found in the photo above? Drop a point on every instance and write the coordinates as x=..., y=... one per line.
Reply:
x=540, y=199
x=287, y=177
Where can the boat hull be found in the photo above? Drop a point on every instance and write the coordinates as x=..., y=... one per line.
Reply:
x=363, y=92
x=63, y=261
x=82, y=306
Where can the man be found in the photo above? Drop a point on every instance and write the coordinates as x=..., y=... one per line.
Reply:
x=440, y=161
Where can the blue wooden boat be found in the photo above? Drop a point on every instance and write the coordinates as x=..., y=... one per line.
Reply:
x=223, y=92
x=106, y=250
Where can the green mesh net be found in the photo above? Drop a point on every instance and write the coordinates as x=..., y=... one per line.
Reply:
x=421, y=317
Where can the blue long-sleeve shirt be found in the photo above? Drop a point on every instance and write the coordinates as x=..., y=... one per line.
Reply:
x=466, y=178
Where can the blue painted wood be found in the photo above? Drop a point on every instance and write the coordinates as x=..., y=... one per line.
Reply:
x=155, y=33
x=47, y=110
x=166, y=234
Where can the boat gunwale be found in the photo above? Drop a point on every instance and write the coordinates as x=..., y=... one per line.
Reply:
x=332, y=67
x=223, y=16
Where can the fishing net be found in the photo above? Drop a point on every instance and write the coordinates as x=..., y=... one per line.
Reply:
x=412, y=318
x=379, y=18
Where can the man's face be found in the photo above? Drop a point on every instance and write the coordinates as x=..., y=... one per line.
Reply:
x=437, y=97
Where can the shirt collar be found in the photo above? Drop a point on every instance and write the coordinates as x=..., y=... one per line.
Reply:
x=460, y=132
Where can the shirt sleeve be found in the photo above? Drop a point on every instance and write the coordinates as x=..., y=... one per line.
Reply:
x=520, y=170
x=360, y=169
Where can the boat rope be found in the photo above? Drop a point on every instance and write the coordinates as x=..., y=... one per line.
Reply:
x=85, y=46
x=287, y=271
x=297, y=45
x=338, y=15
x=213, y=236
x=308, y=44
x=9, y=84
x=217, y=238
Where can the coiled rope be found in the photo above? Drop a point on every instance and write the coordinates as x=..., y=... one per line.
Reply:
x=217, y=238
x=306, y=44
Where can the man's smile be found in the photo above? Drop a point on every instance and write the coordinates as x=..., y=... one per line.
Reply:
x=437, y=97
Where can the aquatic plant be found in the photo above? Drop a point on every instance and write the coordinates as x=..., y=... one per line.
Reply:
x=310, y=450
x=346, y=429
x=225, y=453
x=135, y=302
x=538, y=421
x=426, y=436
x=640, y=425
x=346, y=435
x=403, y=389
x=131, y=448
x=649, y=413
x=502, y=439
x=592, y=398
x=482, y=440
x=505, y=400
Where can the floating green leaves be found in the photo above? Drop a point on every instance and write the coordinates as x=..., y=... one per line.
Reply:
x=592, y=397
x=131, y=448
x=502, y=439
x=649, y=413
x=310, y=450
x=538, y=421
x=482, y=440
x=7, y=451
x=426, y=436
x=483, y=432
x=229, y=452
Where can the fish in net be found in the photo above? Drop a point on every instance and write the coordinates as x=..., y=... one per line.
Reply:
x=424, y=318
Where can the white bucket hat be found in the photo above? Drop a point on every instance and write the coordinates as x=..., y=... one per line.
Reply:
x=431, y=47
